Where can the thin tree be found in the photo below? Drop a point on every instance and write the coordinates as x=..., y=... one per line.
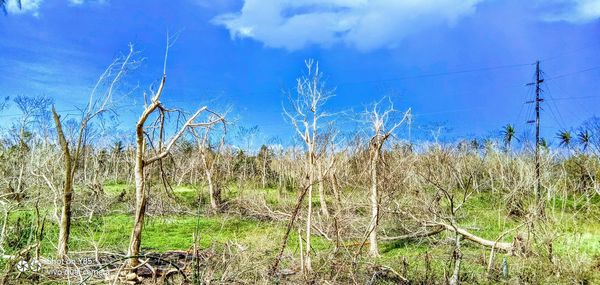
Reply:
x=31, y=109
x=99, y=102
x=310, y=98
x=382, y=126
x=163, y=149
x=210, y=159
x=264, y=157
x=116, y=153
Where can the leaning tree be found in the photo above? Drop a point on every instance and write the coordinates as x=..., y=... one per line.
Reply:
x=161, y=149
x=99, y=102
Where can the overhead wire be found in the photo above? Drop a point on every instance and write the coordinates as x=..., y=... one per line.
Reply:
x=418, y=76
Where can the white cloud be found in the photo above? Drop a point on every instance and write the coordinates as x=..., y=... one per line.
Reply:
x=27, y=7
x=363, y=24
x=76, y=2
x=82, y=2
x=575, y=11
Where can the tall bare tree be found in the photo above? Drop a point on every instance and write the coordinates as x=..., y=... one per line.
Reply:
x=163, y=149
x=209, y=160
x=31, y=109
x=382, y=126
x=310, y=98
x=99, y=102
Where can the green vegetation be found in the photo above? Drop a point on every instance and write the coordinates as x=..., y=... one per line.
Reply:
x=577, y=237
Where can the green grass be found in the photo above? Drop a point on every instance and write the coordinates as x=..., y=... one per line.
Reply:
x=577, y=238
x=116, y=188
x=576, y=235
x=162, y=233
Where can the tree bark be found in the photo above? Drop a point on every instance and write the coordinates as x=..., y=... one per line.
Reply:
x=65, y=217
x=215, y=194
x=140, y=194
x=457, y=257
x=321, y=183
x=311, y=171
x=141, y=162
x=373, y=249
x=505, y=246
x=264, y=171
x=334, y=187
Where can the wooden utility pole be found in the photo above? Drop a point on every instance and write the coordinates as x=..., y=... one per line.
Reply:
x=538, y=100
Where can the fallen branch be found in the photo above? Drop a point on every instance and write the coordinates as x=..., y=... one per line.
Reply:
x=414, y=235
x=275, y=265
x=505, y=246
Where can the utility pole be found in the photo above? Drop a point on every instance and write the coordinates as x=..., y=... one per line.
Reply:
x=538, y=100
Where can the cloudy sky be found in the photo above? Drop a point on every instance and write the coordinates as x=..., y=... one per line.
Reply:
x=463, y=64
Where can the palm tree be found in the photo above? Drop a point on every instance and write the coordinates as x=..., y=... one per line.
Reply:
x=584, y=139
x=565, y=138
x=543, y=143
x=4, y=3
x=508, y=134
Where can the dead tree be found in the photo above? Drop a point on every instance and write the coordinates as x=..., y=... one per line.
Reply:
x=142, y=161
x=455, y=177
x=264, y=156
x=99, y=102
x=31, y=109
x=310, y=98
x=210, y=160
x=382, y=127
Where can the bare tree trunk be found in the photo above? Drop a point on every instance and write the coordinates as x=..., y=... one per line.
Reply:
x=311, y=171
x=373, y=249
x=334, y=187
x=505, y=246
x=322, y=201
x=215, y=194
x=382, y=130
x=313, y=97
x=280, y=179
x=141, y=162
x=457, y=257
x=115, y=167
x=85, y=165
x=264, y=172
x=22, y=168
x=65, y=217
x=140, y=196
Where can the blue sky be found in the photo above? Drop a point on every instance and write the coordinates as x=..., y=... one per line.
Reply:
x=460, y=63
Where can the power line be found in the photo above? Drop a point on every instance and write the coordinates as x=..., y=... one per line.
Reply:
x=438, y=74
x=573, y=98
x=573, y=73
x=571, y=51
x=426, y=75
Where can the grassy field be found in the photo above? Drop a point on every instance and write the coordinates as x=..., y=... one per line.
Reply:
x=576, y=237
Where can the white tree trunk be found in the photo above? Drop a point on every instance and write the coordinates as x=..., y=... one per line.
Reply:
x=215, y=198
x=311, y=181
x=322, y=201
x=374, y=199
x=140, y=199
